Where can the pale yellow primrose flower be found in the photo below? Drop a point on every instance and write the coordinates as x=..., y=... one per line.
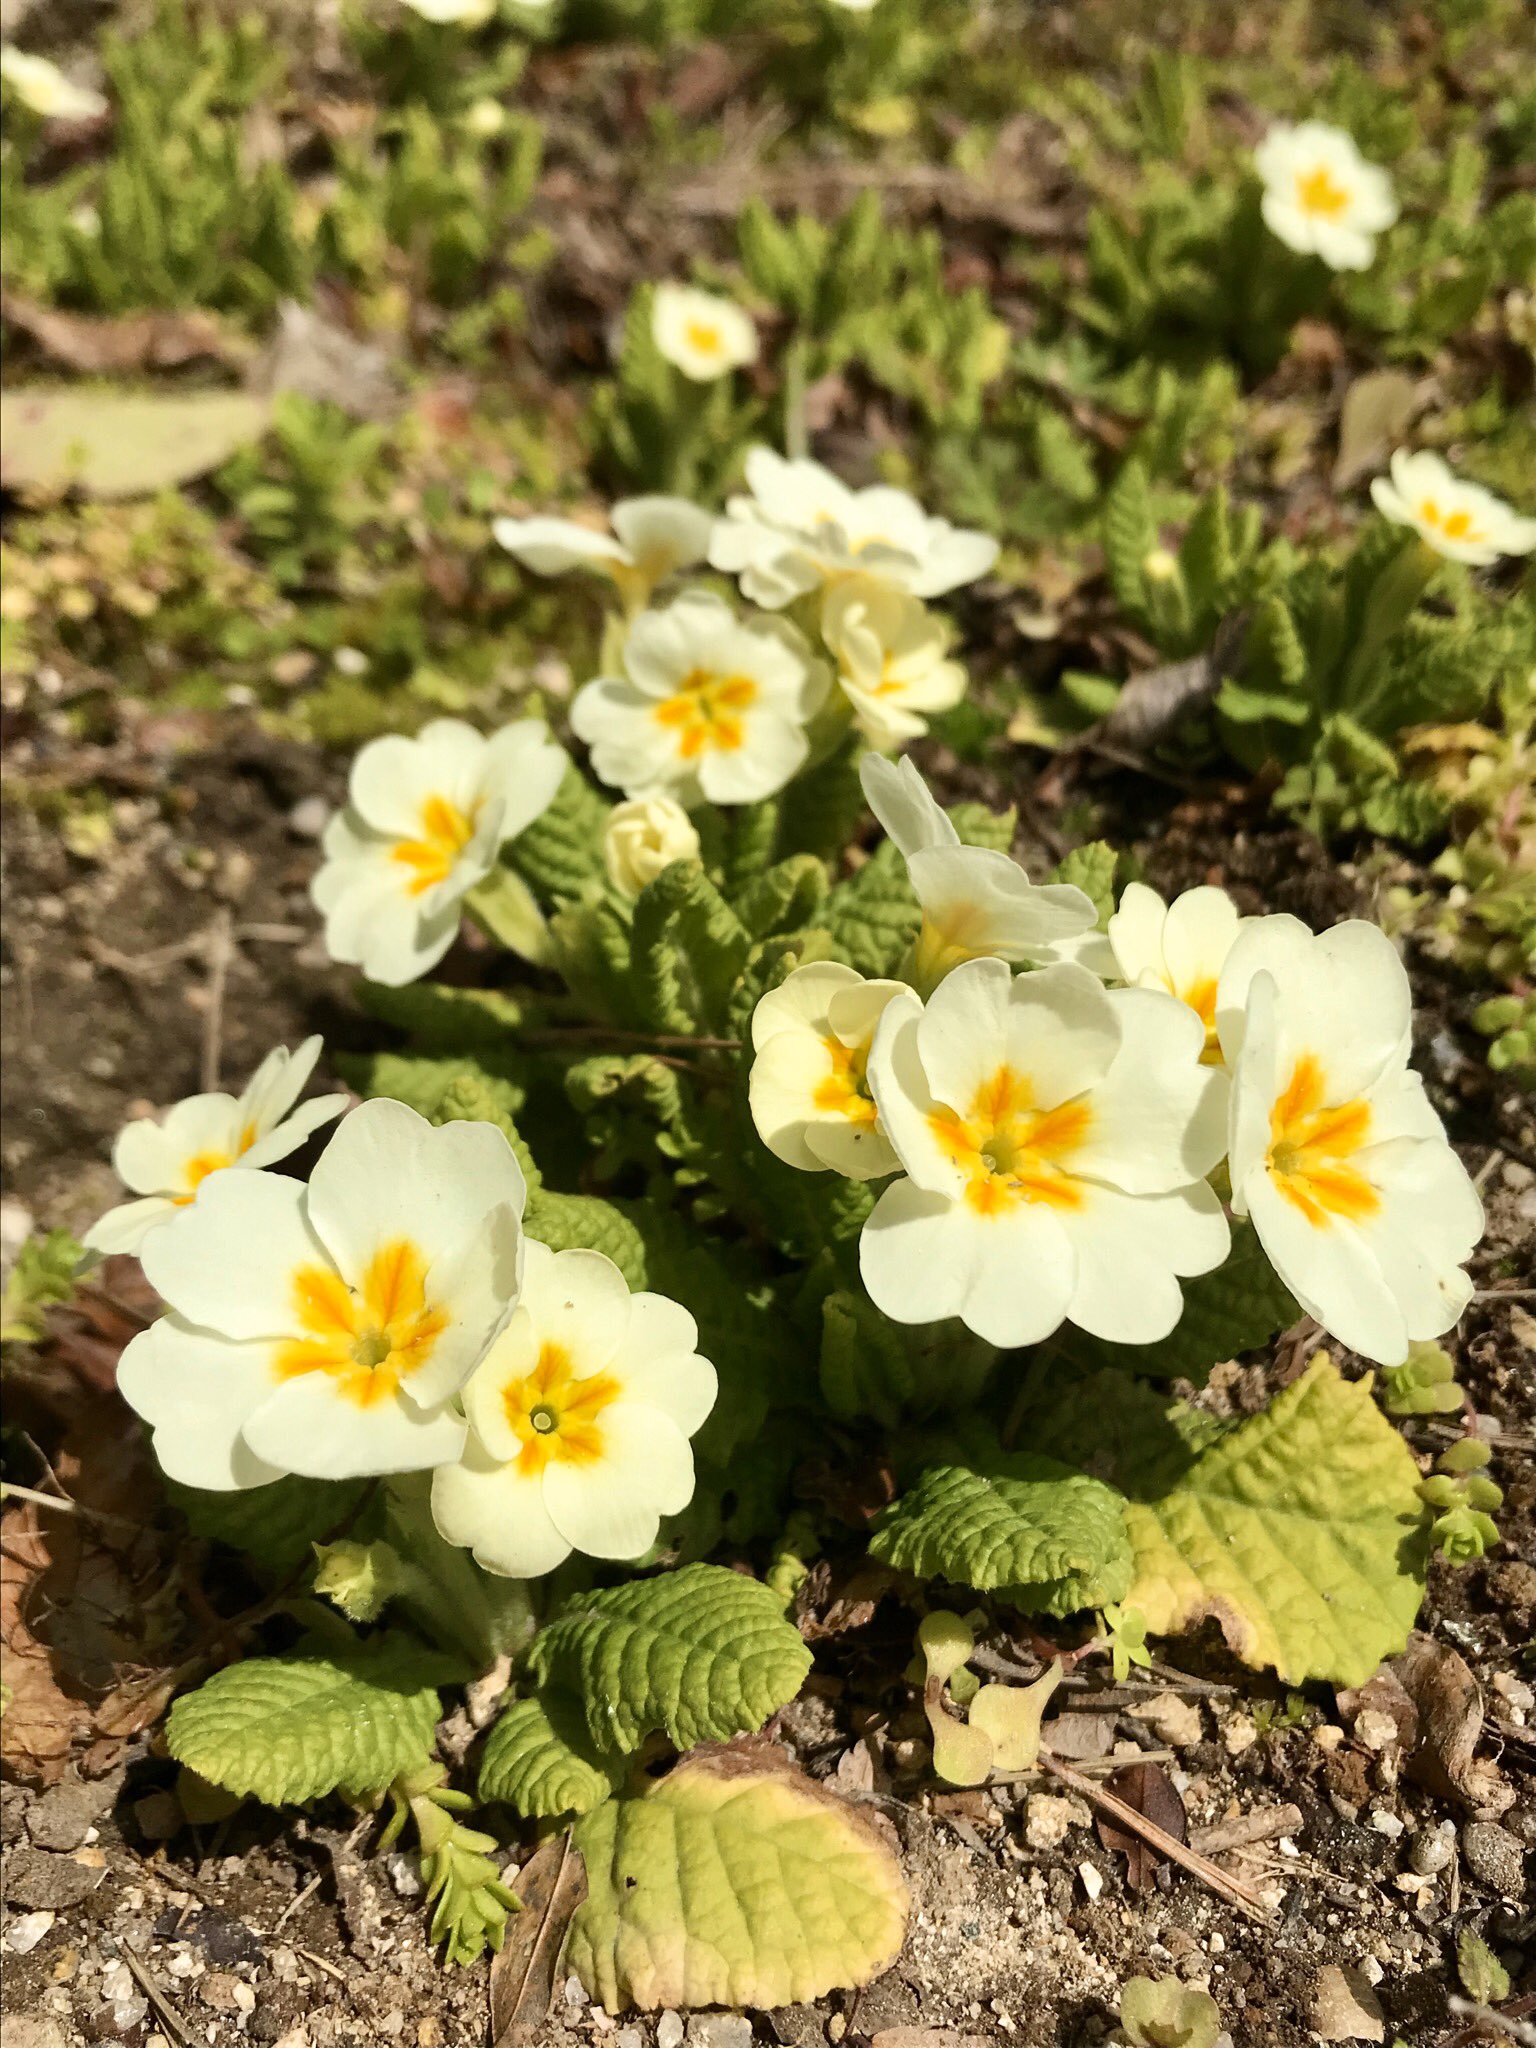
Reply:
x=708, y=705
x=975, y=901
x=43, y=89
x=644, y=835
x=1459, y=520
x=1054, y=1137
x=808, y=1090
x=166, y=1161
x=424, y=823
x=1181, y=947
x=799, y=527
x=1321, y=197
x=326, y=1329
x=460, y=13
x=703, y=336
x=892, y=660
x=579, y=1421
x=653, y=537
x=1334, y=1152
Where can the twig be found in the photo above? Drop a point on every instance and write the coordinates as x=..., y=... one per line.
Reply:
x=314, y=1884
x=165, y=2012
x=221, y=947
x=1232, y=1889
x=1507, y=2024
x=1245, y=1830
x=320, y=1963
x=62, y=1504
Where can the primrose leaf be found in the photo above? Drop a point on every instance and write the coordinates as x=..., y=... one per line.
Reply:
x=561, y=852
x=276, y=1525
x=109, y=443
x=978, y=826
x=42, y=1277
x=287, y=1729
x=1300, y=1531
x=537, y=1759
x=1237, y=1308
x=689, y=949
x=872, y=917
x=564, y=1222
x=729, y=1882
x=422, y=1083
x=872, y=1367
x=1055, y=1539
x=702, y=1653
x=1091, y=868
x=1160, y=2012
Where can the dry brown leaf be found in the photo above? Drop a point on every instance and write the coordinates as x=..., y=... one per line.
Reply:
x=100, y=346
x=1149, y=1789
x=1449, y=1706
x=551, y=1885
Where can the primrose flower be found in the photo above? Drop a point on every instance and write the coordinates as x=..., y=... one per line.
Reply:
x=892, y=660
x=424, y=821
x=799, y=527
x=1459, y=520
x=1054, y=1137
x=463, y=13
x=579, y=1421
x=808, y=1089
x=709, y=705
x=1321, y=197
x=1181, y=947
x=326, y=1329
x=1335, y=1154
x=166, y=1162
x=703, y=336
x=43, y=89
x=975, y=901
x=642, y=837
x=653, y=537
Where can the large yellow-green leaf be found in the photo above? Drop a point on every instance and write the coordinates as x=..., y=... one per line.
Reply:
x=1301, y=1532
x=111, y=443
x=733, y=1881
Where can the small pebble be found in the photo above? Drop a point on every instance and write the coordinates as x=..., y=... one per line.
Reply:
x=25, y=1930
x=575, y=1993
x=669, y=2030
x=309, y=817
x=1385, y=1823
x=719, y=2030
x=1495, y=1857
x=404, y=1874
x=1092, y=1879
x=1433, y=1848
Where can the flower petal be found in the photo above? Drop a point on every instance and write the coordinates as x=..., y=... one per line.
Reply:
x=613, y=1507
x=196, y=1392
x=227, y=1262
x=498, y=1513
x=310, y=1426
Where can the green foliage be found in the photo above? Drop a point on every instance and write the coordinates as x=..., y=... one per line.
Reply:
x=468, y=1899
x=42, y=1278
x=877, y=1370
x=288, y=1729
x=1461, y=1495
x=306, y=490
x=689, y=948
x=1091, y=868
x=1482, y=1976
x=1160, y=2012
x=276, y=1526
x=1424, y=1384
x=678, y=1912
x=1051, y=1539
x=702, y=1653
x=537, y=1758
x=561, y=852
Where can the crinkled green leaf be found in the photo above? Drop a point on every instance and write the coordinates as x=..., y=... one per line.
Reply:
x=1300, y=1531
x=689, y=948
x=537, y=1759
x=978, y=826
x=702, y=1653
x=872, y=917
x=566, y=1221
x=422, y=1083
x=1235, y=1309
x=1054, y=1537
x=287, y=1729
x=42, y=1277
x=1160, y=2012
x=561, y=852
x=729, y=1883
x=875, y=1369
x=276, y=1525
x=441, y=1019
x=784, y=897
x=1130, y=534
x=591, y=946
x=1091, y=868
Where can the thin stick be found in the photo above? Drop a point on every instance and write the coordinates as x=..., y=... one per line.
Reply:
x=221, y=946
x=1232, y=1889
x=61, y=1504
x=165, y=2012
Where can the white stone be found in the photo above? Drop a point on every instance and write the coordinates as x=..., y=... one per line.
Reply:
x=24, y=1931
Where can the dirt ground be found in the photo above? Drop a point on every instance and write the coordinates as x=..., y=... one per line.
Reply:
x=125, y=1924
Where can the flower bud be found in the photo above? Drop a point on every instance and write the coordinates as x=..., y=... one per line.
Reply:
x=643, y=836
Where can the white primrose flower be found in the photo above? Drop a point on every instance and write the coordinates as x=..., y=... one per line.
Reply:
x=653, y=537
x=643, y=836
x=799, y=527
x=463, y=13
x=1180, y=946
x=579, y=1421
x=165, y=1162
x=1321, y=197
x=892, y=658
x=808, y=1089
x=424, y=821
x=708, y=706
x=701, y=334
x=43, y=89
x=1459, y=520
x=1055, y=1136
x=975, y=901
x=1335, y=1154
x=326, y=1329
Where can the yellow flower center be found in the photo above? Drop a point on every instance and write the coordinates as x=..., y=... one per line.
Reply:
x=556, y=1415
x=705, y=711
x=1318, y=193
x=703, y=336
x=845, y=1089
x=1454, y=525
x=370, y=1339
x=445, y=832
x=1310, y=1146
x=201, y=1164
x=1201, y=998
x=1010, y=1151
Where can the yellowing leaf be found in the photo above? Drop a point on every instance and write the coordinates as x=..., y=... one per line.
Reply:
x=733, y=1882
x=110, y=443
x=1300, y=1532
